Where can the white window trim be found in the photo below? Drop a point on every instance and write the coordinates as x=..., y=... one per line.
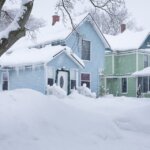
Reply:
x=3, y=80
x=90, y=50
x=82, y=80
x=121, y=85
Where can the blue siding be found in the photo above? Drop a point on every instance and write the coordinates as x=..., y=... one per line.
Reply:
x=97, y=53
x=33, y=79
x=61, y=61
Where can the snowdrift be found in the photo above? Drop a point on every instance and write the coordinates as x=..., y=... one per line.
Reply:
x=30, y=120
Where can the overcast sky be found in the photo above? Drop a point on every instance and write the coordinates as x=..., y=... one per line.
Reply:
x=140, y=10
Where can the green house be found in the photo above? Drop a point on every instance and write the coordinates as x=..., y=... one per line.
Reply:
x=127, y=64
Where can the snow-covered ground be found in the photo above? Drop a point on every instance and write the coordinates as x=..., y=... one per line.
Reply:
x=30, y=120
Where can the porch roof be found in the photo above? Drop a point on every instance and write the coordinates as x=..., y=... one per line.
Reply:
x=32, y=56
x=144, y=72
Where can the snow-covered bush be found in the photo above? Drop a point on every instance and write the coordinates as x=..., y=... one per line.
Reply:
x=103, y=91
x=56, y=90
x=84, y=90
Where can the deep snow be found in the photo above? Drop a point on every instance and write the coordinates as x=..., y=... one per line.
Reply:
x=30, y=120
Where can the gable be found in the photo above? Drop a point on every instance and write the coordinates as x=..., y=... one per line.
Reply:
x=62, y=60
x=83, y=24
x=87, y=33
x=146, y=43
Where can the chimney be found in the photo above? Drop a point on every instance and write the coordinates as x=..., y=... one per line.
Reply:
x=55, y=18
x=123, y=27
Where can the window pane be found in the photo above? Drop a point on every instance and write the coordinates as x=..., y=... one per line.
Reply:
x=73, y=84
x=85, y=77
x=5, y=85
x=124, y=85
x=87, y=83
x=50, y=81
x=85, y=50
x=145, y=84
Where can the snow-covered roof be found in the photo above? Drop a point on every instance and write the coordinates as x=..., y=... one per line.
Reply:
x=29, y=56
x=59, y=31
x=128, y=40
x=50, y=32
x=144, y=72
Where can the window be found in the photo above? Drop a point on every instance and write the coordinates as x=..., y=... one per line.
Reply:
x=28, y=68
x=5, y=81
x=145, y=84
x=145, y=61
x=73, y=84
x=73, y=78
x=50, y=74
x=124, y=85
x=85, y=50
x=50, y=81
x=85, y=78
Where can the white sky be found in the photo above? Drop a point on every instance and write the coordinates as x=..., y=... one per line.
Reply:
x=140, y=10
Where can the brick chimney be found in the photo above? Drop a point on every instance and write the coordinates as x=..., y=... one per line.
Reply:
x=55, y=18
x=123, y=27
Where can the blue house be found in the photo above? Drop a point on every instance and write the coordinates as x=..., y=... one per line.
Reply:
x=70, y=60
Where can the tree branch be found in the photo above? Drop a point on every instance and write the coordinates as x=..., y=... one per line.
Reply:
x=68, y=13
x=1, y=5
x=16, y=34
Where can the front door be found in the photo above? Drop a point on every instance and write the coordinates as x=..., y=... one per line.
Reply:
x=63, y=80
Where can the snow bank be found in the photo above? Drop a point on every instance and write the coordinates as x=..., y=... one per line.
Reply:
x=56, y=90
x=31, y=120
x=84, y=90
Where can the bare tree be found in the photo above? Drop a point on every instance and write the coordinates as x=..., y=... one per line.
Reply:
x=111, y=25
x=16, y=29
x=108, y=7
